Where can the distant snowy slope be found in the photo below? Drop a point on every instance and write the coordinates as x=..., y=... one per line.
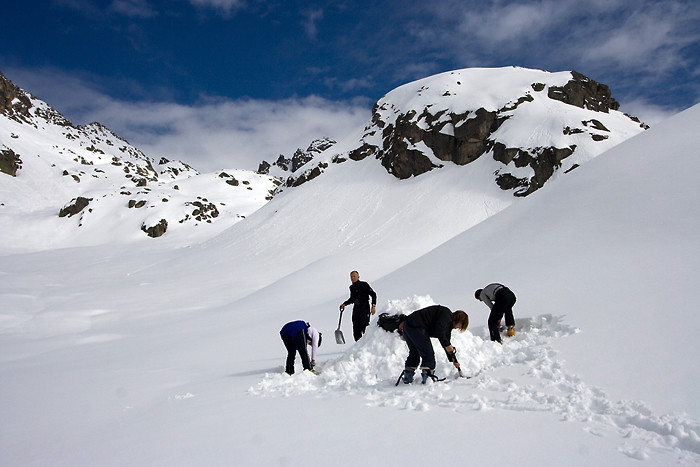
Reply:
x=357, y=206
x=63, y=185
x=357, y=217
x=509, y=130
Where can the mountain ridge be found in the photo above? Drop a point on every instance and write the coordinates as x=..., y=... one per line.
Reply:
x=459, y=116
x=67, y=185
x=92, y=185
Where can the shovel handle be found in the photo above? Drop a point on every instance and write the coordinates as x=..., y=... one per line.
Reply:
x=340, y=319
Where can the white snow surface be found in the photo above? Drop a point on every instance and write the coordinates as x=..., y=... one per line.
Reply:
x=144, y=353
x=61, y=162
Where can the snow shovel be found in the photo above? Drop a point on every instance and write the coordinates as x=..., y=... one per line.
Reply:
x=339, y=338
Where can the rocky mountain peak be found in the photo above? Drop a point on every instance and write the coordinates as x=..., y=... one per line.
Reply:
x=19, y=105
x=521, y=119
x=94, y=186
x=285, y=166
x=585, y=93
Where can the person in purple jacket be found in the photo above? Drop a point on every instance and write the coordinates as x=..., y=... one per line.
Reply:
x=296, y=335
x=500, y=299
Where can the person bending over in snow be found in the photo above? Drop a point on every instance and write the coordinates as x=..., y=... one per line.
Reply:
x=360, y=292
x=296, y=335
x=500, y=299
x=418, y=327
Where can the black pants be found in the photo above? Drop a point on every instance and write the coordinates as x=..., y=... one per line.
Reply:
x=419, y=347
x=360, y=320
x=296, y=344
x=503, y=305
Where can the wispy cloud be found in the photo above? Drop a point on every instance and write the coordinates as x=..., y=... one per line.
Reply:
x=133, y=8
x=637, y=44
x=350, y=84
x=311, y=19
x=129, y=8
x=217, y=133
x=84, y=7
x=225, y=6
x=235, y=134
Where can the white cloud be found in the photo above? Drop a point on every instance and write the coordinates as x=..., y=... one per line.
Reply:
x=133, y=8
x=227, y=133
x=311, y=19
x=212, y=134
x=648, y=113
x=506, y=23
x=226, y=6
x=349, y=85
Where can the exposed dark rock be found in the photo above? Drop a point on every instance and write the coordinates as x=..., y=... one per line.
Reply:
x=283, y=163
x=137, y=204
x=595, y=124
x=231, y=180
x=10, y=162
x=521, y=100
x=203, y=211
x=74, y=207
x=299, y=158
x=572, y=131
x=14, y=103
x=157, y=230
x=363, y=151
x=264, y=168
x=583, y=92
x=544, y=162
x=508, y=181
x=306, y=176
x=468, y=141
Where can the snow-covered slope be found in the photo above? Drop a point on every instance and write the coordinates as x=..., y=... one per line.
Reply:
x=144, y=354
x=509, y=130
x=358, y=213
x=65, y=185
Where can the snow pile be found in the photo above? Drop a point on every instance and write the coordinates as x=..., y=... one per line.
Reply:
x=533, y=379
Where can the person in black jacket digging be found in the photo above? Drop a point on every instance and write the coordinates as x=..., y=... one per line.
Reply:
x=418, y=327
x=360, y=293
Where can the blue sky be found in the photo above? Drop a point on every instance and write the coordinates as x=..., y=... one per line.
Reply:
x=227, y=83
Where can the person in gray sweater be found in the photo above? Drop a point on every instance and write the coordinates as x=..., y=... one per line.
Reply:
x=500, y=299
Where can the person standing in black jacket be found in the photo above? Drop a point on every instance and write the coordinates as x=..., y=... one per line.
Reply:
x=418, y=327
x=360, y=293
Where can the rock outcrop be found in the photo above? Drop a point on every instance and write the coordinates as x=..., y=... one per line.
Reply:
x=465, y=115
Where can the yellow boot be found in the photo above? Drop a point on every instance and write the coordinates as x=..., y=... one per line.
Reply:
x=511, y=331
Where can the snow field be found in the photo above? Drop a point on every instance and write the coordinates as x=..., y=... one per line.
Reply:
x=525, y=374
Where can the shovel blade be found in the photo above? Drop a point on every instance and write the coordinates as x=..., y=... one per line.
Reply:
x=339, y=339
